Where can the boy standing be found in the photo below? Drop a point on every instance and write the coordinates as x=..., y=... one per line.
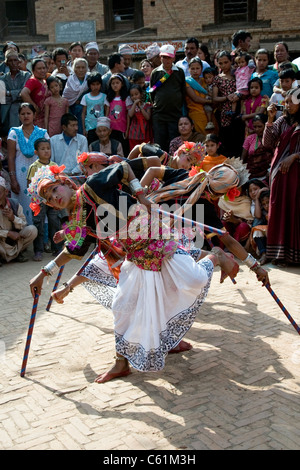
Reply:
x=286, y=80
x=43, y=152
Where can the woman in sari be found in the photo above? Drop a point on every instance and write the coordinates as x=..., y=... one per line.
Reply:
x=283, y=135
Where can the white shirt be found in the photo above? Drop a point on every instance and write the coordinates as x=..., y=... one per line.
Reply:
x=184, y=65
x=64, y=154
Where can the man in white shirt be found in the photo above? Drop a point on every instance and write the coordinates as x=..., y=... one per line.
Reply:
x=191, y=49
x=65, y=147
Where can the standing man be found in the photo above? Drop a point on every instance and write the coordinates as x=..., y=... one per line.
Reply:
x=241, y=42
x=167, y=92
x=65, y=147
x=152, y=54
x=62, y=69
x=92, y=56
x=191, y=50
x=116, y=65
x=126, y=52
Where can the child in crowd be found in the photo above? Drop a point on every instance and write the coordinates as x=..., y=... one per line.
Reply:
x=213, y=156
x=255, y=104
x=267, y=76
x=55, y=106
x=244, y=68
x=139, y=78
x=117, y=102
x=104, y=142
x=260, y=196
x=209, y=75
x=93, y=106
x=286, y=80
x=146, y=67
x=43, y=152
x=138, y=118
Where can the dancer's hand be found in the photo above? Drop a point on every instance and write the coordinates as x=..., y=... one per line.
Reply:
x=60, y=294
x=262, y=276
x=36, y=284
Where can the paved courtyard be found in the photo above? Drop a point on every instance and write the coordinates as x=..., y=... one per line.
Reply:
x=238, y=388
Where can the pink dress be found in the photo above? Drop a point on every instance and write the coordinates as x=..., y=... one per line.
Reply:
x=38, y=92
x=56, y=109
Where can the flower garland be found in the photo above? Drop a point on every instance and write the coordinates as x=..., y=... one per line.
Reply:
x=75, y=230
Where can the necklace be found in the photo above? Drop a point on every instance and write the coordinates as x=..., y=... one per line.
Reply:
x=75, y=230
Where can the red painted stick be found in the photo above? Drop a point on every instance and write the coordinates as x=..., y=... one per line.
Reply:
x=29, y=334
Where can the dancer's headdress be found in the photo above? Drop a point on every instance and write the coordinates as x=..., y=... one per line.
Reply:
x=196, y=150
x=43, y=178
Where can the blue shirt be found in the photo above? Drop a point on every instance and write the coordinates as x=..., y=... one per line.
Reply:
x=268, y=78
x=64, y=153
x=184, y=65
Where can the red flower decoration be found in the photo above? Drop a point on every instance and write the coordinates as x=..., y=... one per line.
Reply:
x=55, y=169
x=35, y=208
x=194, y=170
x=232, y=194
x=83, y=157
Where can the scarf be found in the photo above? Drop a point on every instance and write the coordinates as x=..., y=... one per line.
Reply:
x=160, y=82
x=195, y=85
x=209, y=162
x=27, y=147
x=251, y=107
x=240, y=207
x=74, y=88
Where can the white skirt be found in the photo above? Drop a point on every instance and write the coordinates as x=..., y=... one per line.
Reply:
x=153, y=310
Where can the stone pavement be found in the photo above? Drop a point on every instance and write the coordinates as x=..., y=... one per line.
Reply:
x=238, y=388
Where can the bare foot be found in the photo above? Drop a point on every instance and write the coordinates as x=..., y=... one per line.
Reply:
x=181, y=347
x=119, y=369
x=229, y=267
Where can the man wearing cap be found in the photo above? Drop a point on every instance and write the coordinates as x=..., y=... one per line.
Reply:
x=167, y=92
x=106, y=144
x=15, y=234
x=92, y=55
x=191, y=49
x=126, y=52
x=153, y=55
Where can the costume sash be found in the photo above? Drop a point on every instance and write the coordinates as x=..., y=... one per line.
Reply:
x=195, y=85
x=160, y=82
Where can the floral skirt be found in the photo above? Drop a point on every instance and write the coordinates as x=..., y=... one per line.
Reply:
x=153, y=310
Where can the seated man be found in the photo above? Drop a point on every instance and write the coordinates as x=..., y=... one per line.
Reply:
x=106, y=144
x=66, y=146
x=15, y=234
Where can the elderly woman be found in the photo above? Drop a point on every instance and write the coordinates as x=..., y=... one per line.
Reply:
x=14, y=81
x=281, y=56
x=75, y=88
x=283, y=135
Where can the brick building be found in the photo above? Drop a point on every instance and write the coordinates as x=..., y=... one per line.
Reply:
x=140, y=22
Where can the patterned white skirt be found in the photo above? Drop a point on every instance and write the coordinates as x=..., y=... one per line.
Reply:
x=153, y=310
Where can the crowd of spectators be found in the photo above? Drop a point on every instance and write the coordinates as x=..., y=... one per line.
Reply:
x=240, y=103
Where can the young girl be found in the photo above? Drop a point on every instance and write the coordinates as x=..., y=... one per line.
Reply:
x=262, y=71
x=213, y=157
x=138, y=118
x=93, y=106
x=243, y=72
x=255, y=104
x=55, y=106
x=116, y=109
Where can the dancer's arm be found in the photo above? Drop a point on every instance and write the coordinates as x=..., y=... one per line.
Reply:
x=36, y=283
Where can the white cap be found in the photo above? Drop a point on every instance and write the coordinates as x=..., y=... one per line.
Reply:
x=125, y=49
x=167, y=50
x=2, y=182
x=91, y=45
x=103, y=121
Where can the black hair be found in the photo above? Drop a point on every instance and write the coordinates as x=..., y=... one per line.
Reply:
x=139, y=88
x=210, y=70
x=224, y=54
x=52, y=79
x=187, y=117
x=40, y=141
x=213, y=138
x=8, y=45
x=60, y=51
x=262, y=51
x=193, y=40
x=93, y=78
x=246, y=56
x=255, y=181
x=67, y=118
x=196, y=60
x=110, y=95
x=76, y=43
x=282, y=44
x=285, y=66
x=287, y=73
x=240, y=36
x=137, y=75
x=22, y=56
x=113, y=60
x=35, y=62
x=27, y=105
x=205, y=51
x=255, y=80
x=260, y=117
x=263, y=194
x=293, y=118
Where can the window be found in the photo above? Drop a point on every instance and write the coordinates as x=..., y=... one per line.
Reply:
x=229, y=11
x=121, y=16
